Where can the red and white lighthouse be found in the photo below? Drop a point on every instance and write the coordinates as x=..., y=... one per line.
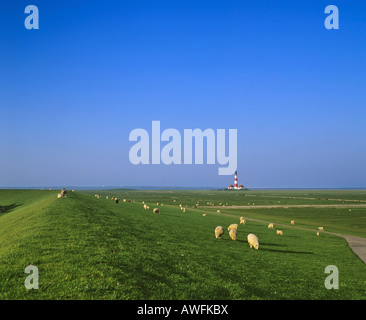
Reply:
x=235, y=186
x=236, y=180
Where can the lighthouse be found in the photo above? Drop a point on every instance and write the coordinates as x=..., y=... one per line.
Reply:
x=235, y=186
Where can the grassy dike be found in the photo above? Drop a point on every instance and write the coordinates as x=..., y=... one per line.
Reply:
x=89, y=248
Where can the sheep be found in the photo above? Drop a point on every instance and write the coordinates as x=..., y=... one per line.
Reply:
x=124, y=200
x=60, y=195
x=218, y=211
x=116, y=200
x=233, y=226
x=253, y=241
x=204, y=215
x=63, y=191
x=292, y=221
x=184, y=210
x=232, y=234
x=320, y=228
x=317, y=234
x=279, y=232
x=72, y=190
x=156, y=210
x=270, y=226
x=146, y=206
x=242, y=220
x=219, y=231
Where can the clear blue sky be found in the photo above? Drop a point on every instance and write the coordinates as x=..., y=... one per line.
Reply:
x=71, y=92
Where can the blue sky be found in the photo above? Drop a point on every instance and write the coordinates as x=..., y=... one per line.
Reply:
x=72, y=91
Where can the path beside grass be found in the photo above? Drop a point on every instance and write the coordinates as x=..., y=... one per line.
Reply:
x=288, y=206
x=357, y=244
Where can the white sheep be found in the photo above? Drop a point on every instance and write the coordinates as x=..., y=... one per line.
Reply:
x=292, y=221
x=233, y=234
x=156, y=210
x=317, y=233
x=320, y=228
x=270, y=226
x=60, y=195
x=242, y=220
x=218, y=211
x=253, y=241
x=279, y=232
x=204, y=215
x=219, y=231
x=233, y=226
x=146, y=206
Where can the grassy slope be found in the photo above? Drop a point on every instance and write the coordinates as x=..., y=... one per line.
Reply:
x=88, y=248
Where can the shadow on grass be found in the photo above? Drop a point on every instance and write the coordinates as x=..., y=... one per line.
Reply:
x=272, y=244
x=285, y=251
x=9, y=208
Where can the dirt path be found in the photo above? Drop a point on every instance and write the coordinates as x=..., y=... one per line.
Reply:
x=288, y=206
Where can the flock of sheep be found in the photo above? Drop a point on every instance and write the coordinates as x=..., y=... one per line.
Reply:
x=233, y=231
x=63, y=193
x=252, y=238
x=219, y=230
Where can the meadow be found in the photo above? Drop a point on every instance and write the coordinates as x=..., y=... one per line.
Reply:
x=93, y=248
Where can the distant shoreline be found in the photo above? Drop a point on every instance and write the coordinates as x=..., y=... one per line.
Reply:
x=173, y=188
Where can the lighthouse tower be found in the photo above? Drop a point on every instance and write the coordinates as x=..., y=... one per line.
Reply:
x=235, y=186
x=236, y=180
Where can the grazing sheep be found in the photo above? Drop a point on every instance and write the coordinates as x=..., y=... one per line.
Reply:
x=72, y=190
x=279, y=232
x=204, y=215
x=317, y=233
x=219, y=231
x=218, y=211
x=156, y=210
x=124, y=200
x=145, y=206
x=242, y=220
x=320, y=228
x=184, y=210
x=60, y=195
x=292, y=221
x=270, y=226
x=233, y=226
x=232, y=234
x=253, y=241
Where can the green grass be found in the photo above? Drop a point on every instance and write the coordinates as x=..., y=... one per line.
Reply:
x=89, y=248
